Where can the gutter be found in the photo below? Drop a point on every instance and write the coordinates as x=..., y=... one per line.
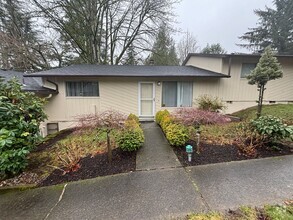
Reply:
x=55, y=84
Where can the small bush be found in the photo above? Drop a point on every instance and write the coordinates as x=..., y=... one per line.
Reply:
x=69, y=153
x=177, y=134
x=131, y=124
x=196, y=117
x=133, y=117
x=130, y=139
x=271, y=128
x=160, y=115
x=165, y=122
x=210, y=103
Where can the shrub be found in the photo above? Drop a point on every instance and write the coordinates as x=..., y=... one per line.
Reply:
x=165, y=122
x=210, y=103
x=196, y=117
x=20, y=117
x=130, y=139
x=160, y=115
x=177, y=134
x=133, y=117
x=69, y=153
x=271, y=128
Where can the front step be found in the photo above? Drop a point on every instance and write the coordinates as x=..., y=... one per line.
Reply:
x=146, y=119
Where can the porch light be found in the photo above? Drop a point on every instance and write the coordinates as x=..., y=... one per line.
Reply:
x=159, y=83
x=189, y=151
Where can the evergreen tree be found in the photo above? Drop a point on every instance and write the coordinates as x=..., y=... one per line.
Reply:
x=131, y=56
x=15, y=34
x=275, y=29
x=163, y=52
x=213, y=49
x=268, y=68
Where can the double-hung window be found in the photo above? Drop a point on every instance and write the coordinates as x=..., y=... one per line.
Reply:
x=177, y=94
x=87, y=89
x=247, y=68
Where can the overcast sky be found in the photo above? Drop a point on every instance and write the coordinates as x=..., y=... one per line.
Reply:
x=218, y=21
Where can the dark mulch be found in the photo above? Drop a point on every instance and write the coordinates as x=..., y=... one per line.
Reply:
x=91, y=167
x=52, y=139
x=216, y=154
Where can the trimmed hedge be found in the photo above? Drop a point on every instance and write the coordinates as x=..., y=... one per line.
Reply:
x=177, y=134
x=131, y=137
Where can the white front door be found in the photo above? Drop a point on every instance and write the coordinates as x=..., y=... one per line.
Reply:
x=146, y=99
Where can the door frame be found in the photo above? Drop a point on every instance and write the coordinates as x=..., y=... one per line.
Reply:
x=139, y=98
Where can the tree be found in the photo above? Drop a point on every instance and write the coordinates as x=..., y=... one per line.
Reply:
x=20, y=117
x=163, y=51
x=131, y=57
x=213, y=49
x=23, y=46
x=101, y=31
x=275, y=29
x=268, y=68
x=186, y=45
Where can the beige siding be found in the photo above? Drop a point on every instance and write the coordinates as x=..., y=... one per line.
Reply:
x=209, y=63
x=122, y=93
x=237, y=89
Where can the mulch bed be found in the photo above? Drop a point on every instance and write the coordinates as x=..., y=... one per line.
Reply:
x=91, y=167
x=46, y=144
x=216, y=154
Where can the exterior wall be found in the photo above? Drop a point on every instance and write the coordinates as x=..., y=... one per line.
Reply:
x=210, y=63
x=115, y=93
x=239, y=92
x=122, y=93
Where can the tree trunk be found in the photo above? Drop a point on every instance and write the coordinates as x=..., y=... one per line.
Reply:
x=260, y=100
x=109, y=148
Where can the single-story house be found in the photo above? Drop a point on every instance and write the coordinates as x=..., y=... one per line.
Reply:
x=144, y=90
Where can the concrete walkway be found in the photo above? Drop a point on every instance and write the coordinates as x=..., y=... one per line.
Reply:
x=156, y=152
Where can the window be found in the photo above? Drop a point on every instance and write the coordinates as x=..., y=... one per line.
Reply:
x=177, y=94
x=247, y=68
x=82, y=89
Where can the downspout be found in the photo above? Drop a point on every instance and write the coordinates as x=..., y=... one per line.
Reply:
x=230, y=64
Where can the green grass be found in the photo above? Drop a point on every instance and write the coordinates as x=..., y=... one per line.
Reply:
x=279, y=212
x=284, y=111
x=269, y=212
x=208, y=216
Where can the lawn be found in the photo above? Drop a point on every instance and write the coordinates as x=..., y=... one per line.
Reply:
x=284, y=111
x=268, y=212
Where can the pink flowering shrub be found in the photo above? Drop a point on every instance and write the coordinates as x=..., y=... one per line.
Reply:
x=196, y=117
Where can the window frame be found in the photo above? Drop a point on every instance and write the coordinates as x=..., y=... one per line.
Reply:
x=241, y=71
x=82, y=86
x=177, y=94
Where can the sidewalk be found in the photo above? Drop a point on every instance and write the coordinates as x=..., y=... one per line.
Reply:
x=156, y=152
x=158, y=194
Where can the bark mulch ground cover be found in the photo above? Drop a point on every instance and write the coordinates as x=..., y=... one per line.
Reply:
x=210, y=153
x=91, y=167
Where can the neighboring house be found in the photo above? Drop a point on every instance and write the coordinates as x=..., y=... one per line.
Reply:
x=144, y=90
x=31, y=84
